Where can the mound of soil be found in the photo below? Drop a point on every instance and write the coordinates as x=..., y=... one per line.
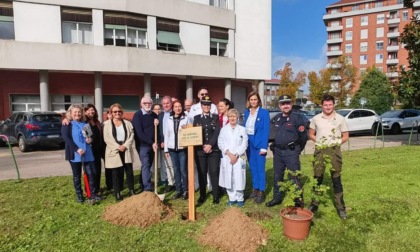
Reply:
x=140, y=210
x=234, y=231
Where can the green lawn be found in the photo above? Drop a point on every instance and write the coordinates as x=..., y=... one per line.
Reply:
x=381, y=186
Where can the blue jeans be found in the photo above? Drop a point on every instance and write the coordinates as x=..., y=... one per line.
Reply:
x=179, y=162
x=146, y=158
x=90, y=170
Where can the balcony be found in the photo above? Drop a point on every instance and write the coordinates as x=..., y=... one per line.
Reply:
x=335, y=28
x=114, y=59
x=335, y=78
x=333, y=65
x=334, y=40
x=392, y=48
x=392, y=74
x=394, y=21
x=393, y=34
x=392, y=61
x=335, y=53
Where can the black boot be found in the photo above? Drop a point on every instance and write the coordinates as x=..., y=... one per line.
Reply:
x=131, y=193
x=260, y=198
x=118, y=197
x=80, y=198
x=273, y=202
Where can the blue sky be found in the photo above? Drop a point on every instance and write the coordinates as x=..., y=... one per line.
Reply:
x=299, y=35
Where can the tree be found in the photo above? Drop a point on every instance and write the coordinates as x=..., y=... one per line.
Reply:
x=288, y=83
x=375, y=87
x=394, y=85
x=408, y=3
x=409, y=89
x=319, y=85
x=343, y=78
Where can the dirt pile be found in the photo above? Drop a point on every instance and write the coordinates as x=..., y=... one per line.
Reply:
x=141, y=210
x=234, y=231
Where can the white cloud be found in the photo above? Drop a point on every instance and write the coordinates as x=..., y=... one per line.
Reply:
x=299, y=63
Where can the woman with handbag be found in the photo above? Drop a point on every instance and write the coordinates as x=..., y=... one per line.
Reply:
x=79, y=152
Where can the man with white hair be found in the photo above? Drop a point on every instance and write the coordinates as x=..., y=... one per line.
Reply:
x=144, y=122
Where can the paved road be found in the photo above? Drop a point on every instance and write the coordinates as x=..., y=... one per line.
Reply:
x=50, y=162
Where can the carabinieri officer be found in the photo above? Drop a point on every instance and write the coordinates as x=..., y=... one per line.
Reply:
x=208, y=155
x=290, y=140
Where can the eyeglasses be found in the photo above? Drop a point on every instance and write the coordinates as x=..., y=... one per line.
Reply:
x=285, y=103
x=147, y=103
x=206, y=105
x=117, y=111
x=204, y=94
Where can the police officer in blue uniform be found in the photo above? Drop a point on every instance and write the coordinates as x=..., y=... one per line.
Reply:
x=290, y=140
x=208, y=155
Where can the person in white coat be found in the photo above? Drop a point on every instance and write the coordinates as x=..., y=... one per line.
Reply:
x=233, y=141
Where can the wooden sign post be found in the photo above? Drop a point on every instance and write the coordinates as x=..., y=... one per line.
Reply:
x=190, y=137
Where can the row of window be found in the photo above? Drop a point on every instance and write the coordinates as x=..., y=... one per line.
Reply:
x=378, y=57
x=380, y=19
x=120, y=29
x=363, y=58
x=364, y=46
x=363, y=33
x=363, y=6
x=60, y=103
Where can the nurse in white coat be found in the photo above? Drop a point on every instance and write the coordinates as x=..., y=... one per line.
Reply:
x=233, y=141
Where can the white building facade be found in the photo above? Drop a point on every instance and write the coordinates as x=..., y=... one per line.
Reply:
x=57, y=52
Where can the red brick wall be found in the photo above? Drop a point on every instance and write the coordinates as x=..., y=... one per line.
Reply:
x=25, y=82
x=16, y=82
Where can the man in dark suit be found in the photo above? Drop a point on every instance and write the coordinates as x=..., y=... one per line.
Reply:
x=144, y=122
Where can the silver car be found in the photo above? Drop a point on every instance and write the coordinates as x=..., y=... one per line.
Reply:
x=395, y=121
x=360, y=120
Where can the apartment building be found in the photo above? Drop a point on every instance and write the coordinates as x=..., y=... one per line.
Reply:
x=57, y=52
x=367, y=33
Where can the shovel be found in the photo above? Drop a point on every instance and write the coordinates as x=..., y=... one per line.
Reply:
x=161, y=196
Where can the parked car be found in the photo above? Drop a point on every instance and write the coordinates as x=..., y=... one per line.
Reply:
x=395, y=121
x=360, y=120
x=29, y=129
x=312, y=113
x=273, y=113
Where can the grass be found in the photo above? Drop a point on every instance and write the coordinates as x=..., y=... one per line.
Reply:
x=381, y=187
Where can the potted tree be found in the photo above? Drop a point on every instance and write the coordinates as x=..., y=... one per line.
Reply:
x=297, y=220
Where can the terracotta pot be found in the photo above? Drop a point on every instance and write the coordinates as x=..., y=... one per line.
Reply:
x=296, y=223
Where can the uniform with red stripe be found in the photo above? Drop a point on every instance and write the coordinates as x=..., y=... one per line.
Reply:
x=290, y=140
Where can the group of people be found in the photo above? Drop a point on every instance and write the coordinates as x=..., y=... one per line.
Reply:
x=221, y=159
x=87, y=142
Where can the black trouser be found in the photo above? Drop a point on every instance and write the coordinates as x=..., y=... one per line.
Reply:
x=108, y=178
x=208, y=163
x=285, y=159
x=98, y=167
x=89, y=168
x=118, y=175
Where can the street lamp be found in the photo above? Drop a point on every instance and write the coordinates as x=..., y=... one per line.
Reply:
x=363, y=101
